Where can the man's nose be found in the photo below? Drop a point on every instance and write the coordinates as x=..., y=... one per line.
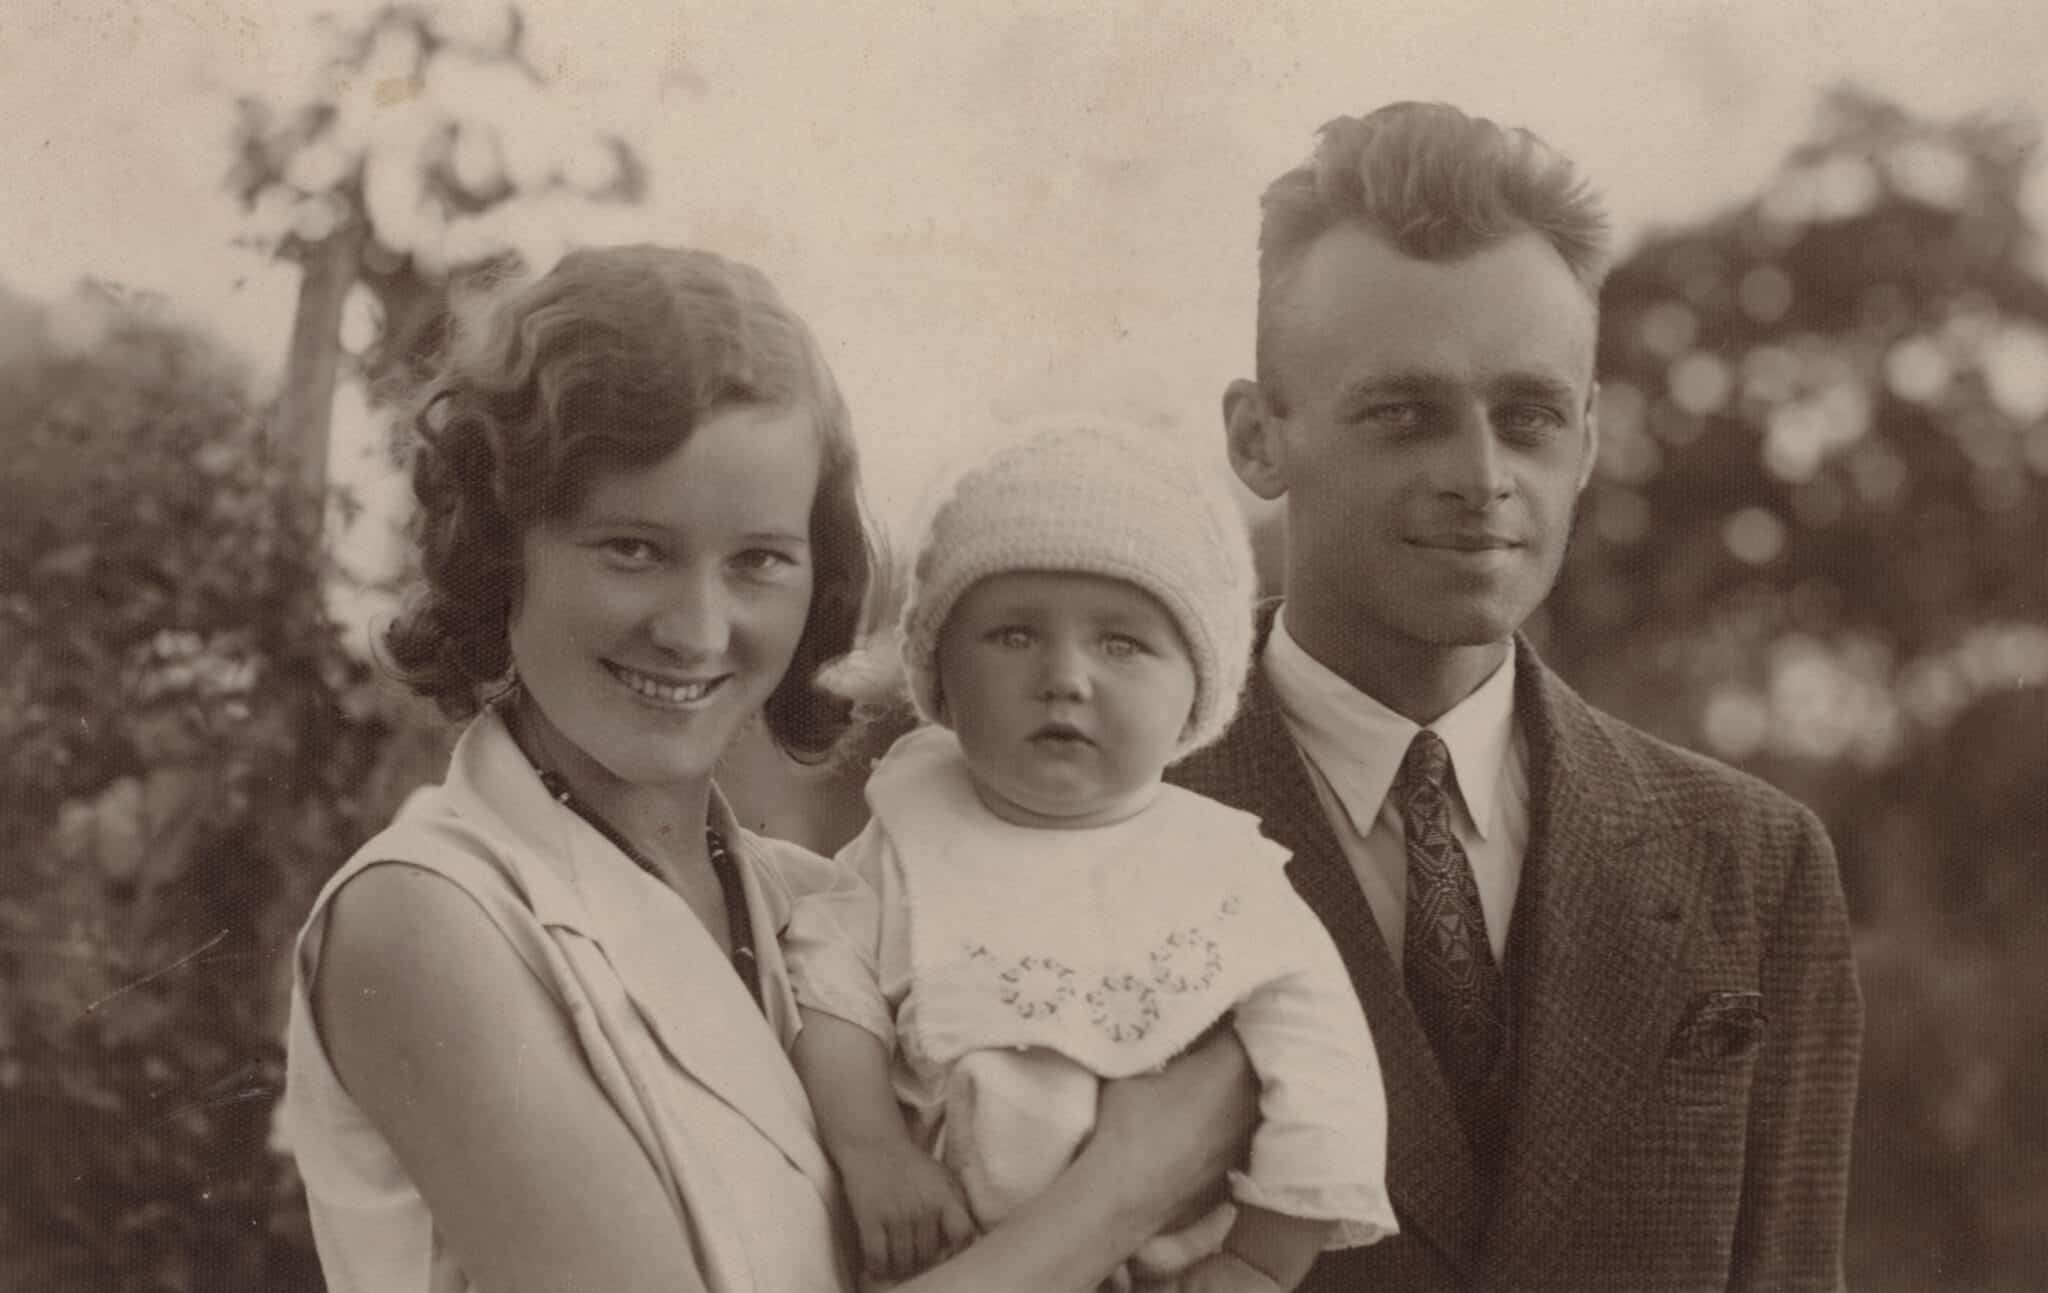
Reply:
x=1471, y=466
x=694, y=619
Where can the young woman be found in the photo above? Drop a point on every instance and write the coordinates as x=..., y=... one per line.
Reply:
x=539, y=1025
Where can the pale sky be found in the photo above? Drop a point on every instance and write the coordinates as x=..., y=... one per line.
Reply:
x=977, y=205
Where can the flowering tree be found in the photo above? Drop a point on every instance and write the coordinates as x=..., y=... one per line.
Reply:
x=430, y=151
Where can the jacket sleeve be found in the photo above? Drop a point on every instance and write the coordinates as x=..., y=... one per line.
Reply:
x=1795, y=1192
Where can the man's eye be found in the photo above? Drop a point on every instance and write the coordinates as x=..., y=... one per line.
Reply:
x=1400, y=415
x=1531, y=420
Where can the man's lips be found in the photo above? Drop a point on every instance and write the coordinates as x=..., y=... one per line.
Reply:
x=1466, y=541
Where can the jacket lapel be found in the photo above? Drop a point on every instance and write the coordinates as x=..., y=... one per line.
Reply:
x=1256, y=767
x=1593, y=960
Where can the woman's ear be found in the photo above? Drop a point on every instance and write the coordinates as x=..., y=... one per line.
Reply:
x=1251, y=432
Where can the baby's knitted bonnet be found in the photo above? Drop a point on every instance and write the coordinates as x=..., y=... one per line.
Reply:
x=1087, y=495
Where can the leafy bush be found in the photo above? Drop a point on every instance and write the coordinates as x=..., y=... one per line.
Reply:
x=184, y=746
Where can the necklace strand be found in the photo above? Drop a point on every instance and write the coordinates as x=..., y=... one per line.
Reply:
x=739, y=922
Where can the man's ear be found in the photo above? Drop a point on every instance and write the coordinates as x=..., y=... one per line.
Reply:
x=1252, y=435
x=1592, y=435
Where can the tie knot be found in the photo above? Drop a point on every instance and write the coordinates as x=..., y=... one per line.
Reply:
x=1428, y=761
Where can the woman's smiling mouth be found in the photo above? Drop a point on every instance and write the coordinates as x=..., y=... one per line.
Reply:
x=649, y=687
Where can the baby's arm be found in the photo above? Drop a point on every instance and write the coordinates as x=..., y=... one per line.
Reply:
x=907, y=1209
x=906, y=1205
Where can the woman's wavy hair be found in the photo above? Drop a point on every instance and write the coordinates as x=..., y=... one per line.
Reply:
x=608, y=363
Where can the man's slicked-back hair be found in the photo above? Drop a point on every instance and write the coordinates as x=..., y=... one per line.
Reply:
x=1436, y=184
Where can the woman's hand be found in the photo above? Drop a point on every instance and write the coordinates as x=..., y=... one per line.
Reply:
x=1176, y=1133
x=1162, y=1144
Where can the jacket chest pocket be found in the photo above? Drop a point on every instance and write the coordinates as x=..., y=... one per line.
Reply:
x=1711, y=1057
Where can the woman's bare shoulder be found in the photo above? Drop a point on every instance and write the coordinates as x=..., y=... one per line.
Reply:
x=470, y=1066
x=412, y=966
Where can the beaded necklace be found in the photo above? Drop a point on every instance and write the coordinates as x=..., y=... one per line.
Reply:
x=739, y=923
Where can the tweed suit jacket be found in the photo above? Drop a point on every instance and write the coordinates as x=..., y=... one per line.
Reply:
x=1686, y=1021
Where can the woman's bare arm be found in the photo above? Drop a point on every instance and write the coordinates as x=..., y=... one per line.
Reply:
x=466, y=1064
x=1161, y=1144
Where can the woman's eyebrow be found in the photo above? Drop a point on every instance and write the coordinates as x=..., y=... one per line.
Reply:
x=627, y=520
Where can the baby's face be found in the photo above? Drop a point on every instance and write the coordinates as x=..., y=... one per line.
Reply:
x=1068, y=692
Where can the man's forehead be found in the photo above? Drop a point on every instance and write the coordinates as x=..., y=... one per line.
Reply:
x=1355, y=298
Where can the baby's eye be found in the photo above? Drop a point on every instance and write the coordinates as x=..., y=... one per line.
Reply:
x=1010, y=635
x=1122, y=646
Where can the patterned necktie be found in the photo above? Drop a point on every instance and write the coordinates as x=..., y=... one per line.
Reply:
x=1453, y=982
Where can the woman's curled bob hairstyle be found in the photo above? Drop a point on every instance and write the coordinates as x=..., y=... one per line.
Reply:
x=608, y=363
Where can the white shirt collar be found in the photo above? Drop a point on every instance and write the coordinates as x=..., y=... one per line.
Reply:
x=1358, y=743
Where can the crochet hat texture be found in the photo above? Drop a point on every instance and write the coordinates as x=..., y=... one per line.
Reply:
x=1090, y=496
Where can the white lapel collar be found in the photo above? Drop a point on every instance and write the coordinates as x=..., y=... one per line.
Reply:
x=675, y=974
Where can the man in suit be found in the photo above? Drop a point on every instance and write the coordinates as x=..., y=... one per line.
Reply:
x=1610, y=980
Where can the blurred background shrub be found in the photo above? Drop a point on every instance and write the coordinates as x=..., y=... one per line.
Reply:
x=185, y=751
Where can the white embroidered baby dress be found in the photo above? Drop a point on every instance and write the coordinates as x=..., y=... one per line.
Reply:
x=1015, y=968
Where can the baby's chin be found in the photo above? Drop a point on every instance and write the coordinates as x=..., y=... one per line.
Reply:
x=1066, y=815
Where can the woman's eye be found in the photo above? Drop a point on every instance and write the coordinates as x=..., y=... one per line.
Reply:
x=763, y=560
x=630, y=552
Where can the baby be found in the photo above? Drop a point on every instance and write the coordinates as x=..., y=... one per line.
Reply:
x=1042, y=912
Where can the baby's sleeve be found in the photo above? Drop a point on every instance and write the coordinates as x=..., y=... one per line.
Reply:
x=832, y=943
x=1320, y=1151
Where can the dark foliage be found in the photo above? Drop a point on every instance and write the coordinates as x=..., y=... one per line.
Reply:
x=185, y=747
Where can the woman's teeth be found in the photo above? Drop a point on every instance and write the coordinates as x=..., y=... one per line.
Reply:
x=668, y=693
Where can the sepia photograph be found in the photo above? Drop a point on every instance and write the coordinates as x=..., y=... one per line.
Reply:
x=1468, y=582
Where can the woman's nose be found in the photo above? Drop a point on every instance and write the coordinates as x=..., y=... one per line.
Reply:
x=693, y=620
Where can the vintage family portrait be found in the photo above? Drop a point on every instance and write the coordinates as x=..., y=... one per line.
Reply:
x=774, y=646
